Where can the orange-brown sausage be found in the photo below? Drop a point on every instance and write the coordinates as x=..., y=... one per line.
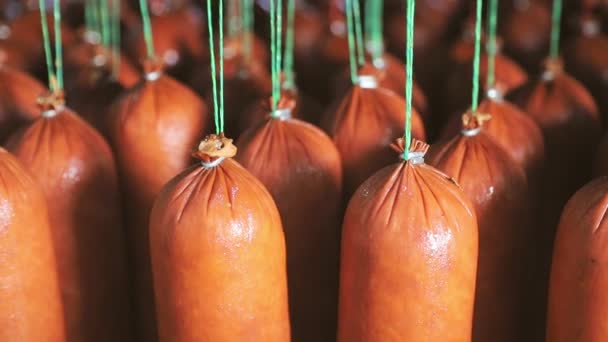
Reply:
x=300, y=166
x=498, y=190
x=409, y=257
x=569, y=120
x=579, y=273
x=218, y=255
x=366, y=121
x=152, y=128
x=75, y=167
x=30, y=302
x=18, y=93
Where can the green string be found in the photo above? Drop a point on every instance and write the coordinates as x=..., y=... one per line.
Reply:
x=47, y=46
x=358, y=32
x=116, y=38
x=145, y=17
x=88, y=16
x=221, y=47
x=276, y=22
x=555, y=29
x=352, y=54
x=373, y=28
x=409, y=70
x=288, y=65
x=235, y=18
x=105, y=23
x=491, y=45
x=475, y=92
x=58, y=51
x=218, y=96
x=95, y=21
x=247, y=26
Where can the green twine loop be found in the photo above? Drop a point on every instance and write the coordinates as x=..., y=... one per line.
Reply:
x=218, y=95
x=555, y=29
x=491, y=44
x=358, y=32
x=247, y=26
x=355, y=40
x=409, y=70
x=55, y=73
x=105, y=23
x=93, y=23
x=475, y=92
x=115, y=38
x=288, y=66
x=276, y=22
x=58, y=50
x=145, y=17
x=47, y=46
x=373, y=28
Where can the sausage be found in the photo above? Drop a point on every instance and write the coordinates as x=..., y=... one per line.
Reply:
x=152, y=128
x=18, y=93
x=75, y=167
x=498, y=189
x=526, y=32
x=579, y=273
x=569, y=120
x=513, y=130
x=246, y=81
x=218, y=254
x=409, y=257
x=300, y=166
x=30, y=302
x=391, y=76
x=362, y=126
x=508, y=76
x=585, y=56
x=177, y=33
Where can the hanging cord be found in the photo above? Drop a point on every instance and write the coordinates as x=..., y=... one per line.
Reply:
x=491, y=43
x=47, y=47
x=358, y=32
x=55, y=70
x=355, y=47
x=276, y=23
x=475, y=91
x=247, y=27
x=555, y=29
x=145, y=17
x=115, y=38
x=288, y=66
x=94, y=21
x=105, y=23
x=234, y=10
x=409, y=70
x=373, y=28
x=218, y=95
x=58, y=50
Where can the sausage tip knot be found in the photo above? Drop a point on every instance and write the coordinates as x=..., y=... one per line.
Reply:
x=214, y=149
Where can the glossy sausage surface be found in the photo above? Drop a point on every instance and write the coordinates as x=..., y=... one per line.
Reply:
x=76, y=169
x=579, y=273
x=498, y=189
x=218, y=258
x=300, y=166
x=30, y=301
x=153, y=128
x=409, y=259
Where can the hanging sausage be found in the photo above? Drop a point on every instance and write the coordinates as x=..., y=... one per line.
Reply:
x=75, y=167
x=152, y=128
x=30, y=308
x=18, y=93
x=577, y=300
x=217, y=247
